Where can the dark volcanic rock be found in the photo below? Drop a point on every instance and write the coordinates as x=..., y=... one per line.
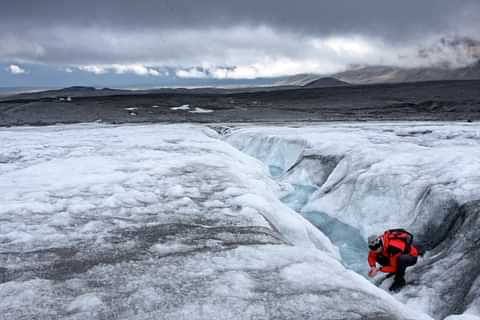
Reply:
x=444, y=100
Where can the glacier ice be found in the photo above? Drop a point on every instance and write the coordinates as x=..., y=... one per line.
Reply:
x=162, y=221
x=421, y=176
x=142, y=221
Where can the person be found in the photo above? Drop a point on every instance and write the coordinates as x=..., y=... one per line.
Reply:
x=394, y=252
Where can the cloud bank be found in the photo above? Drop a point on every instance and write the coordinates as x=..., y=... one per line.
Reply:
x=137, y=69
x=237, y=39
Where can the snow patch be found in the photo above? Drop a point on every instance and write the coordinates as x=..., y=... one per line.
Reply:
x=170, y=248
x=182, y=107
x=85, y=303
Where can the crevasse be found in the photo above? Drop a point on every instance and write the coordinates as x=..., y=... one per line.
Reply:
x=352, y=180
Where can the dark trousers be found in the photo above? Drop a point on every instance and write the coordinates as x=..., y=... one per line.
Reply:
x=403, y=261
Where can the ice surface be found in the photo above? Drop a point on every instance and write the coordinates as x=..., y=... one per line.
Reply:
x=161, y=221
x=200, y=110
x=137, y=222
x=421, y=176
x=380, y=168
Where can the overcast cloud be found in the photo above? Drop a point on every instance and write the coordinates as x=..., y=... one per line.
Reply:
x=235, y=39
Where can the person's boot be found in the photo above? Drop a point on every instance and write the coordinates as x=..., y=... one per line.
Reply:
x=398, y=284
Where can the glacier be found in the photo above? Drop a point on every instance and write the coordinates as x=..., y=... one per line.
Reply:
x=365, y=178
x=188, y=221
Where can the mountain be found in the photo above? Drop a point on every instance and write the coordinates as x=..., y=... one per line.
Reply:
x=326, y=82
x=386, y=74
x=383, y=74
x=456, y=58
x=310, y=80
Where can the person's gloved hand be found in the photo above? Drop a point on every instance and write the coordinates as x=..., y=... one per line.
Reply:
x=373, y=271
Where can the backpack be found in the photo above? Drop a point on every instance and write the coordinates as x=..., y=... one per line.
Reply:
x=400, y=234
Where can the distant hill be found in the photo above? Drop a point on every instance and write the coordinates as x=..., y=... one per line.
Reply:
x=298, y=79
x=80, y=91
x=386, y=74
x=6, y=91
x=73, y=92
x=326, y=82
x=310, y=80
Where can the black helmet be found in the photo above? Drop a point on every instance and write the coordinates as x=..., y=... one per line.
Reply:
x=374, y=242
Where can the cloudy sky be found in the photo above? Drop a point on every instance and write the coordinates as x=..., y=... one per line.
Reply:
x=116, y=42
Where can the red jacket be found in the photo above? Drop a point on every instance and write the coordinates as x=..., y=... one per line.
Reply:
x=392, y=249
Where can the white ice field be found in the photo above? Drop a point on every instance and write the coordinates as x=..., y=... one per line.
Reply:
x=181, y=222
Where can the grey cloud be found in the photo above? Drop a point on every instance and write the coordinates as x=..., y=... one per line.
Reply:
x=268, y=37
x=167, y=47
x=391, y=18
